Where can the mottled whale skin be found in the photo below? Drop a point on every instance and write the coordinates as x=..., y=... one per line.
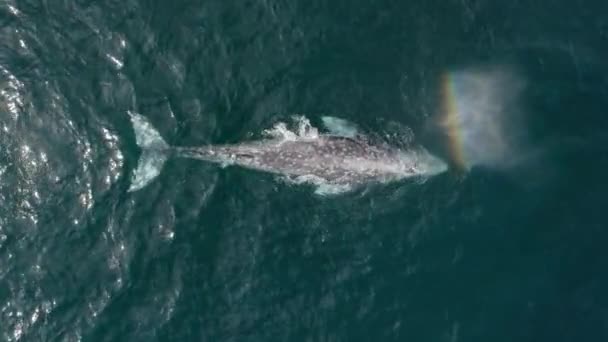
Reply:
x=344, y=161
x=335, y=159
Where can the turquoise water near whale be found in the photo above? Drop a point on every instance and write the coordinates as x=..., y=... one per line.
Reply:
x=203, y=253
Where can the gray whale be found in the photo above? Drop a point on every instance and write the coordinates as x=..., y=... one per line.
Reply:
x=336, y=159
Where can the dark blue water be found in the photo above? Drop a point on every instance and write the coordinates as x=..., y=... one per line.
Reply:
x=225, y=254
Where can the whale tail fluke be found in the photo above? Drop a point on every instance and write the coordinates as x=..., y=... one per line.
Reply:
x=154, y=152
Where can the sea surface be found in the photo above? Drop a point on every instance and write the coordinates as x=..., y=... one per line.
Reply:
x=496, y=251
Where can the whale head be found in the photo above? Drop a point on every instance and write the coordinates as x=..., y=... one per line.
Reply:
x=429, y=164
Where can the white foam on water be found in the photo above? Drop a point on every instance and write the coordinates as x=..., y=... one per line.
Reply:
x=300, y=128
x=322, y=186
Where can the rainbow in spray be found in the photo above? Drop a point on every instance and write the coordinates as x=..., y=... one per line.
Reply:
x=477, y=116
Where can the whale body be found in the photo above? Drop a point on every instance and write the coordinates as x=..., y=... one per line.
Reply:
x=343, y=161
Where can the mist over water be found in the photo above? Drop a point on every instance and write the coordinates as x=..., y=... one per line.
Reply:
x=484, y=117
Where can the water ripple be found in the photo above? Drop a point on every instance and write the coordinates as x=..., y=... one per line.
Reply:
x=54, y=161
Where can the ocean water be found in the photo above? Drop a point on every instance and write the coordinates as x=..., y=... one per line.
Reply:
x=506, y=249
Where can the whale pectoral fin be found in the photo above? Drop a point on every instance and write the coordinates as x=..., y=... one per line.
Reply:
x=340, y=127
x=328, y=190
